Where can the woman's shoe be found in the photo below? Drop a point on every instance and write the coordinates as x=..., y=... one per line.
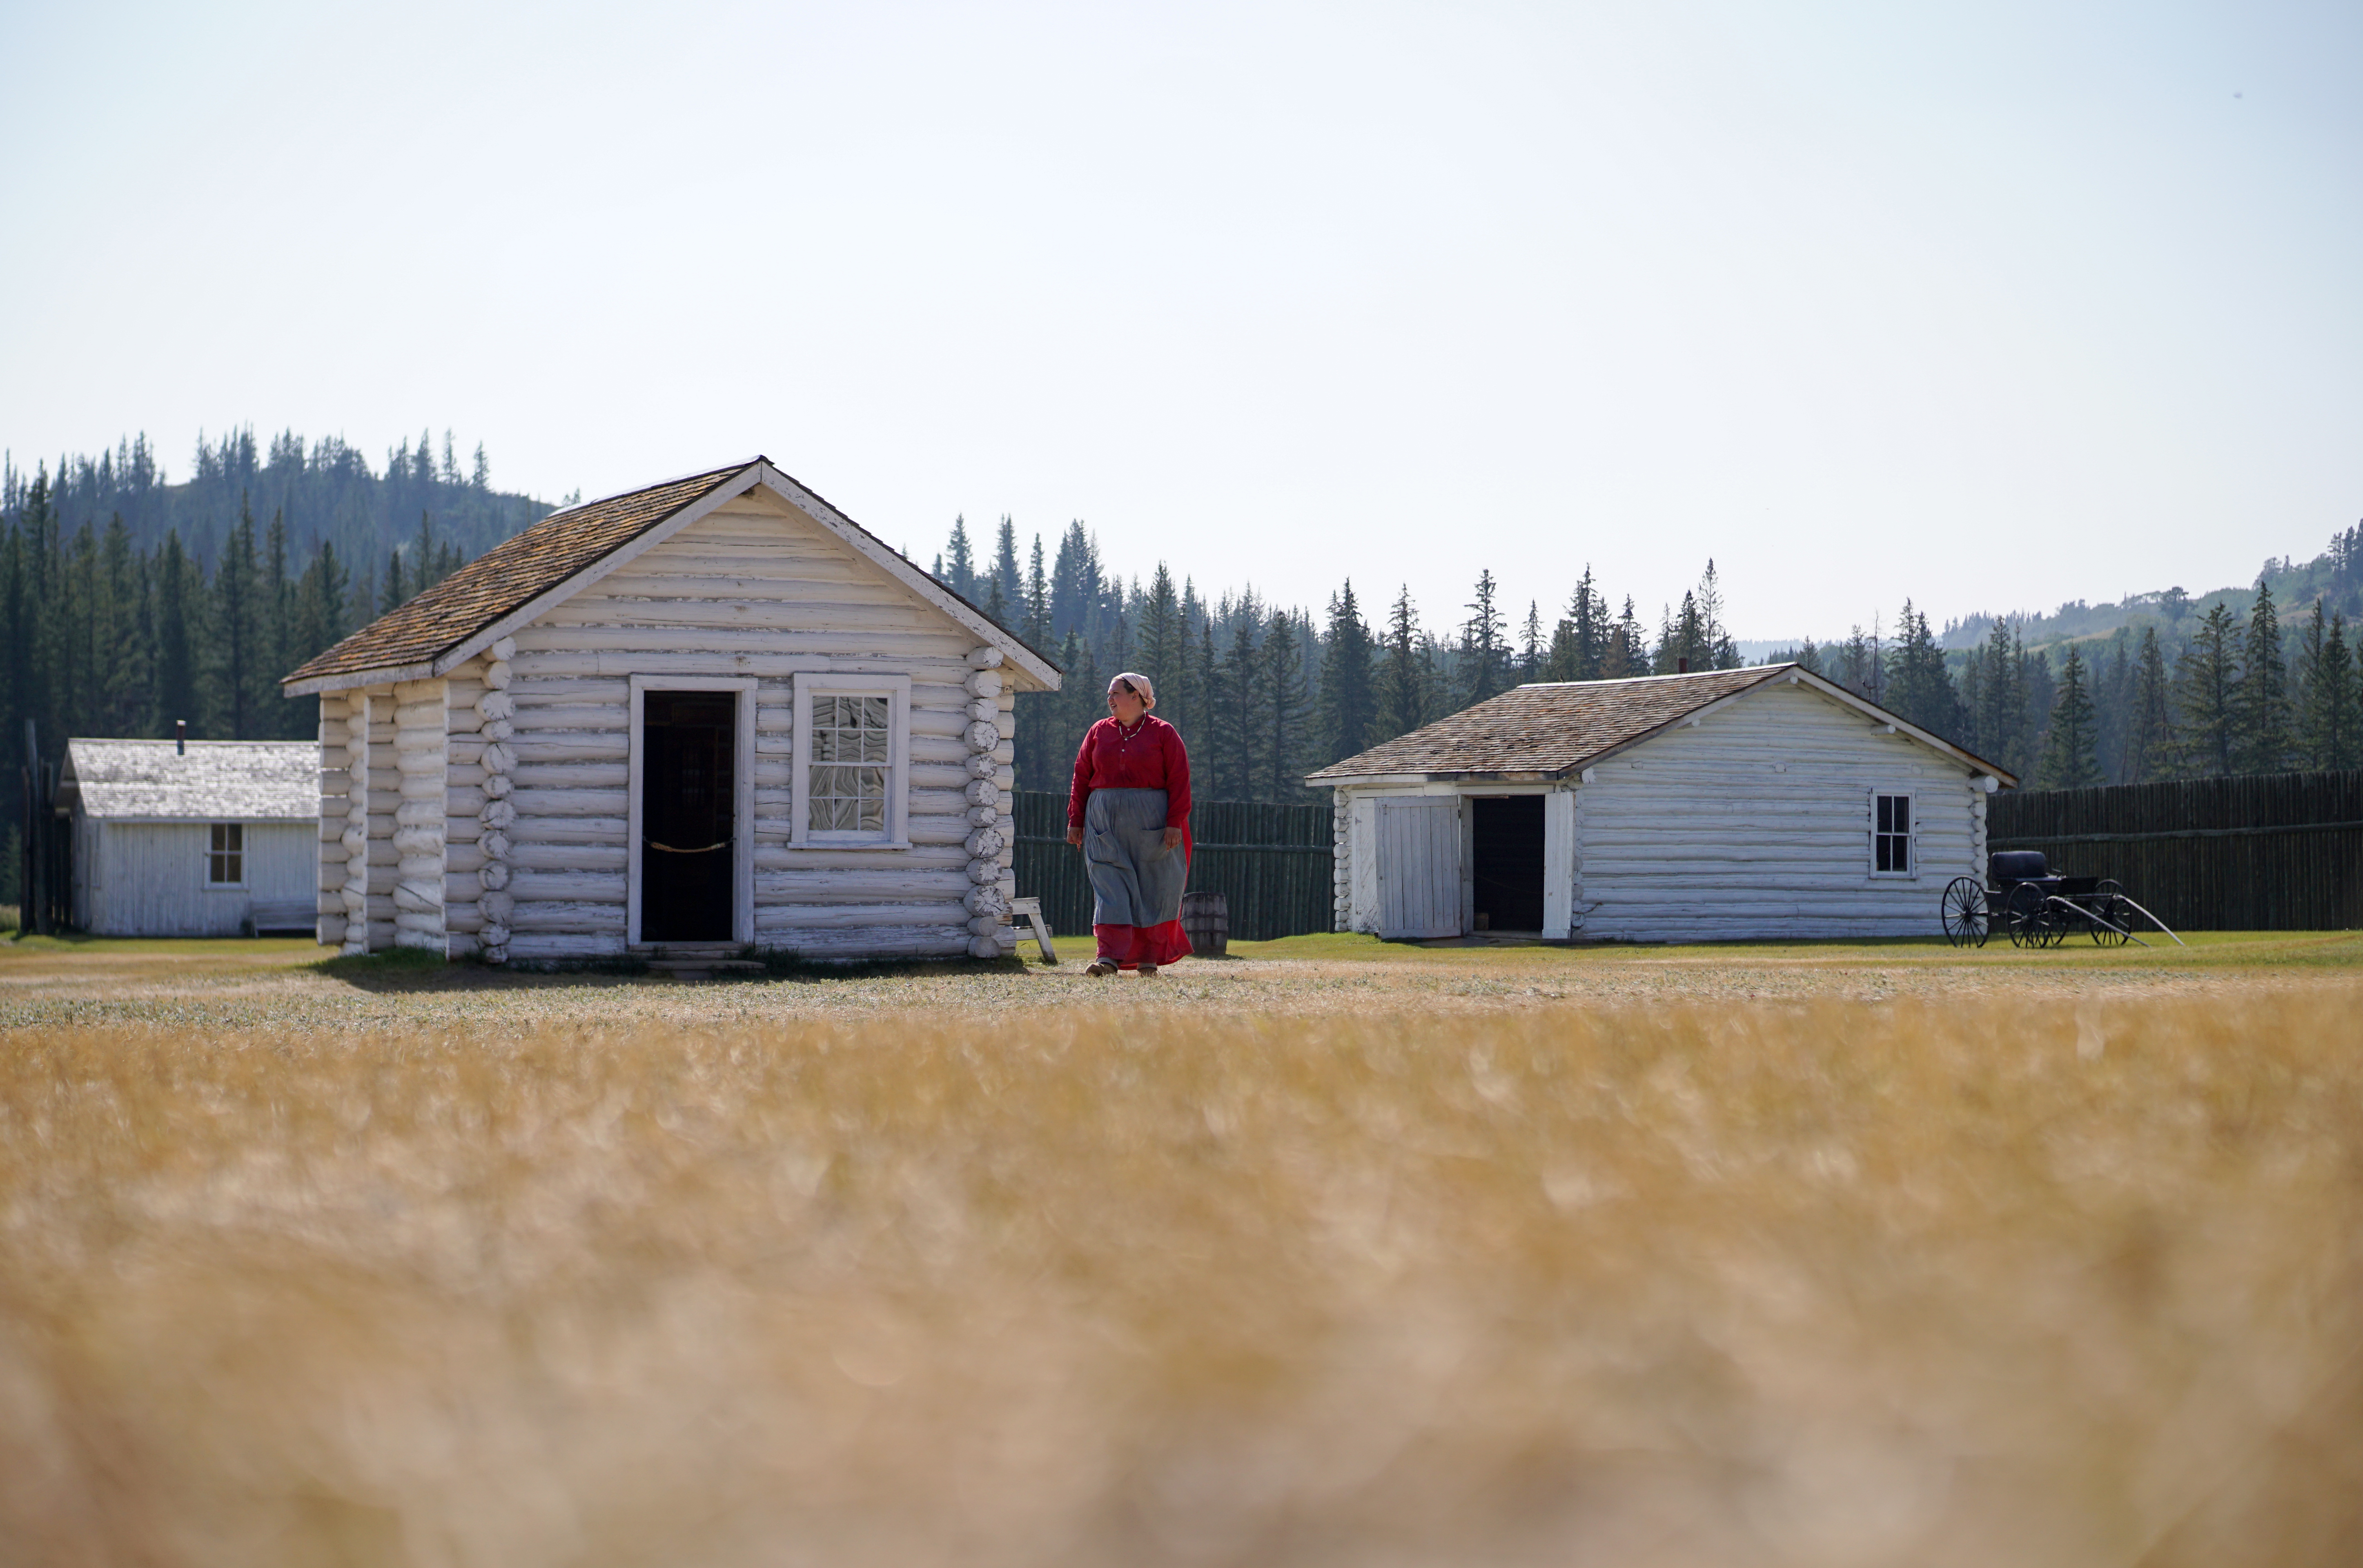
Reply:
x=1101, y=966
x=1148, y=971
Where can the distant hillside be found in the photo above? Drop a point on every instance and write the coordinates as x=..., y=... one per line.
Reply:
x=2335, y=577
x=325, y=492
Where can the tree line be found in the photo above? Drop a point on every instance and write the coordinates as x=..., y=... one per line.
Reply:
x=127, y=603
x=2226, y=694
x=1268, y=693
x=109, y=628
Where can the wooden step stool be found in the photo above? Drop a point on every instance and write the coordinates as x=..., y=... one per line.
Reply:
x=1032, y=909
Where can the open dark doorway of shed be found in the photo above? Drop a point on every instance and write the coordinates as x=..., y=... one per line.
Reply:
x=688, y=800
x=1507, y=862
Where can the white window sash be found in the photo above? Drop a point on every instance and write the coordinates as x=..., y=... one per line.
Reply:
x=896, y=834
x=226, y=857
x=1911, y=835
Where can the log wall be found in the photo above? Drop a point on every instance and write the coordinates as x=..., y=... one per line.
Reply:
x=1756, y=822
x=754, y=590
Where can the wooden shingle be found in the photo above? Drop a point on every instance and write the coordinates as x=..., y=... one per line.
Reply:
x=508, y=577
x=1549, y=729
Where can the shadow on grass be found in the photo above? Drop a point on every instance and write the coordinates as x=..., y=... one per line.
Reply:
x=410, y=969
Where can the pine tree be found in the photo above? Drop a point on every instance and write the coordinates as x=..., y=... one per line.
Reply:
x=1530, y=644
x=2330, y=725
x=2112, y=685
x=1403, y=672
x=1206, y=681
x=996, y=607
x=1005, y=564
x=1854, y=661
x=2069, y=761
x=124, y=700
x=1578, y=644
x=1074, y=582
x=1037, y=599
x=960, y=573
x=1483, y=653
x=2262, y=740
x=1283, y=707
x=237, y=640
x=2149, y=722
x=2206, y=686
x=391, y=599
x=1715, y=649
x=1919, y=687
x=178, y=620
x=1163, y=640
x=2040, y=690
x=1238, y=732
x=1349, y=711
x=318, y=620
x=1623, y=656
x=275, y=637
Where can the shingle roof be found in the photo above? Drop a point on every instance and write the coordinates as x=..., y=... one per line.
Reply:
x=508, y=577
x=1554, y=728
x=218, y=781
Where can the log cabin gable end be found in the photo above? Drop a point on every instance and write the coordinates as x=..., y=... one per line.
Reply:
x=767, y=486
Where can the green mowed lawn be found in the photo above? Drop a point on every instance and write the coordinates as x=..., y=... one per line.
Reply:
x=2210, y=949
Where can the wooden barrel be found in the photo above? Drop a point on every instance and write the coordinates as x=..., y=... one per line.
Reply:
x=1206, y=921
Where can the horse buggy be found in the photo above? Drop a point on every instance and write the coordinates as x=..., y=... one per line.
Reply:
x=2037, y=908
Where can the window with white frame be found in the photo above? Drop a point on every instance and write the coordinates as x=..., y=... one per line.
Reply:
x=1890, y=834
x=852, y=745
x=226, y=853
x=852, y=762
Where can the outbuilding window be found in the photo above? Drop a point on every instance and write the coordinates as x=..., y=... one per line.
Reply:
x=1891, y=836
x=225, y=854
x=852, y=747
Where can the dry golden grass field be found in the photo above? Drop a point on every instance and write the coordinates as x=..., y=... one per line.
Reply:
x=1330, y=1253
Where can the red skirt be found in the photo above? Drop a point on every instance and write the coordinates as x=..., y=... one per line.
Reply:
x=1129, y=946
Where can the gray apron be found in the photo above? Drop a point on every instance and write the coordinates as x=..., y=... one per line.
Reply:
x=1136, y=880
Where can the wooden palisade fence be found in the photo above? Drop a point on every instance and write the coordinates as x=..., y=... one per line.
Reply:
x=1271, y=862
x=2268, y=852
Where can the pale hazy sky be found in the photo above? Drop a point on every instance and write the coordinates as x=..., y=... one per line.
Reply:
x=1991, y=305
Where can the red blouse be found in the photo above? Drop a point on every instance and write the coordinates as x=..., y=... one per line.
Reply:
x=1151, y=757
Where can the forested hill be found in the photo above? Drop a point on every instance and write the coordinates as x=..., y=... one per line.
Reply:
x=2333, y=579
x=323, y=493
x=129, y=601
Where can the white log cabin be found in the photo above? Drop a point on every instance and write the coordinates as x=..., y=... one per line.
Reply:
x=1723, y=805
x=714, y=712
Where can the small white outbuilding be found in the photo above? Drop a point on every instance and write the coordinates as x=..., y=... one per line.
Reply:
x=201, y=838
x=1740, y=803
x=711, y=714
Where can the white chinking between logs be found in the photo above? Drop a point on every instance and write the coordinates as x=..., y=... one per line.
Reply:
x=418, y=758
x=355, y=840
x=495, y=711
x=987, y=902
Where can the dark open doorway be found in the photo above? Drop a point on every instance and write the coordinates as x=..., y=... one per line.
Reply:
x=688, y=808
x=1507, y=862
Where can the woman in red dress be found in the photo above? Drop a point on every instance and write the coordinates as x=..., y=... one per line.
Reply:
x=1129, y=813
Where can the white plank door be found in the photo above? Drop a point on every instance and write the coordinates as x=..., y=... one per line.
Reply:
x=1419, y=866
x=1558, y=863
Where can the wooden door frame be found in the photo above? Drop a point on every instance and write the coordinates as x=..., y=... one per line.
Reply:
x=742, y=798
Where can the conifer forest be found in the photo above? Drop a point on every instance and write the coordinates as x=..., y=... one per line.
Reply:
x=129, y=601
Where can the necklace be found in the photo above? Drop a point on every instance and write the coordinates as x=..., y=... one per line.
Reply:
x=1134, y=732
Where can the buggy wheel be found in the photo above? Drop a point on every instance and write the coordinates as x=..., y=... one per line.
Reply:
x=2023, y=916
x=2110, y=903
x=1964, y=912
